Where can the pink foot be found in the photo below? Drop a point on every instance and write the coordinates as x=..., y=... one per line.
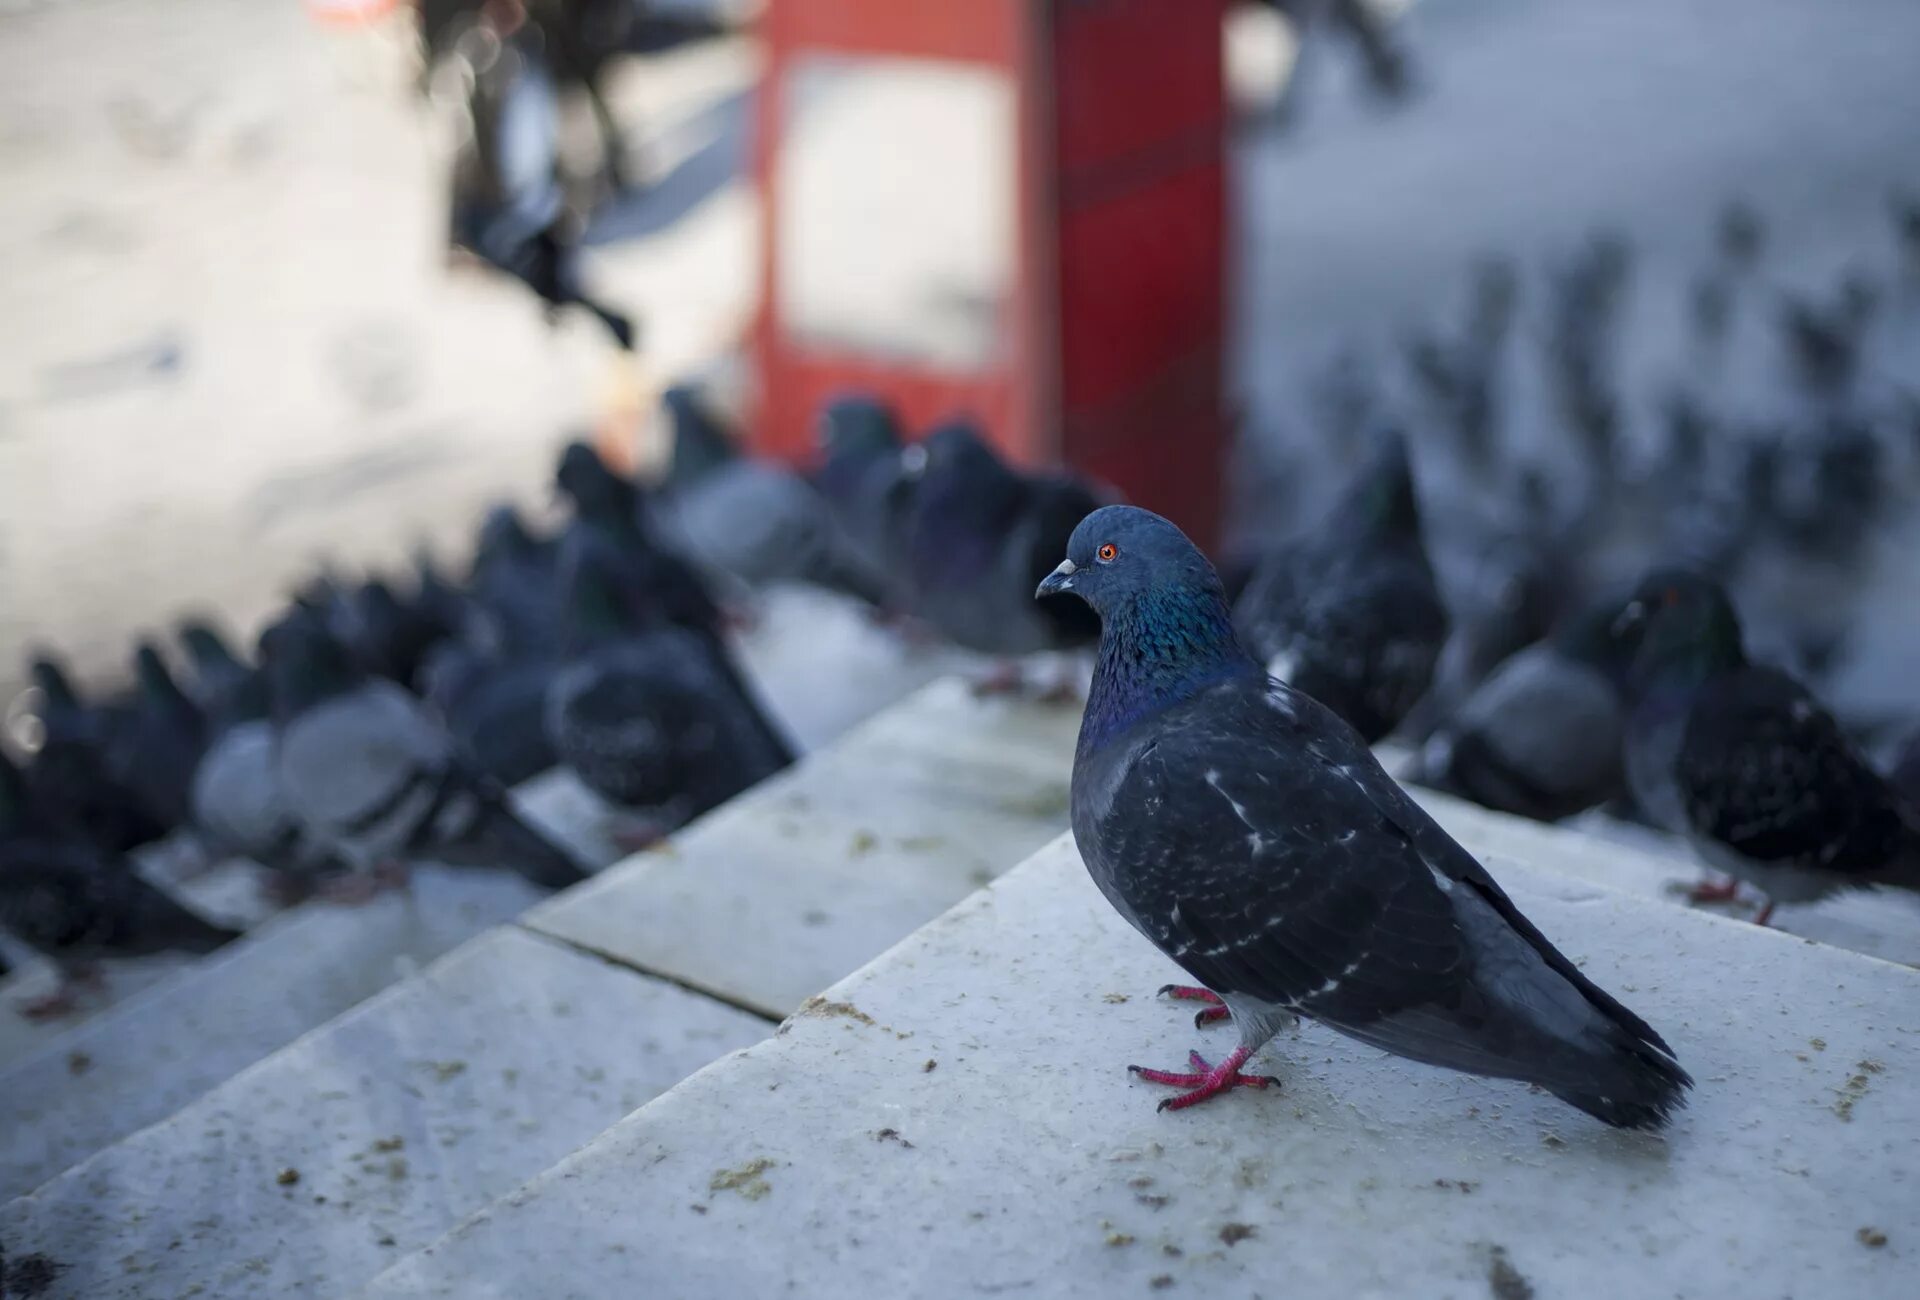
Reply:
x=65, y=1000
x=1765, y=914
x=1204, y=1080
x=1216, y=1009
x=1714, y=891
x=636, y=839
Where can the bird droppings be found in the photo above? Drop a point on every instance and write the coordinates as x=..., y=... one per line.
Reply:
x=746, y=1180
x=697, y=1208
x=444, y=1070
x=1504, y=1280
x=1114, y=998
x=31, y=1275
x=1856, y=1087
x=384, y=1145
x=1119, y=1238
x=819, y=1006
x=1553, y=1141
x=78, y=1063
x=864, y=842
x=287, y=1177
x=1233, y=1234
x=1461, y=1185
x=386, y=1239
x=396, y=1168
x=1161, y=1282
x=892, y=1135
x=1818, y=1044
x=1153, y=1202
x=1172, y=1251
x=930, y=1066
x=921, y=843
x=1871, y=1238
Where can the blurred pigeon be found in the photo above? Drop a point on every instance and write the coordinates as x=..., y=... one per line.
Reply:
x=643, y=715
x=494, y=705
x=981, y=534
x=1541, y=735
x=613, y=521
x=1905, y=775
x=218, y=674
x=1744, y=762
x=1250, y=835
x=76, y=902
x=753, y=520
x=371, y=776
x=1349, y=612
x=1740, y=236
x=69, y=775
x=866, y=484
x=153, y=754
x=514, y=582
x=391, y=637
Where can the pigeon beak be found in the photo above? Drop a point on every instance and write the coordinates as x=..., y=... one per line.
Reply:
x=1061, y=579
x=1630, y=618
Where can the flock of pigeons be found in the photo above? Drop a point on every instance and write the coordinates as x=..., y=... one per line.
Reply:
x=373, y=728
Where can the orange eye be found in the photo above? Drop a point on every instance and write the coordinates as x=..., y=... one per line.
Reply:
x=1670, y=597
x=1106, y=552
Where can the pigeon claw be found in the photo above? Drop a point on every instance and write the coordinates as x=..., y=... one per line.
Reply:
x=1215, y=1012
x=1203, y=1080
x=1714, y=891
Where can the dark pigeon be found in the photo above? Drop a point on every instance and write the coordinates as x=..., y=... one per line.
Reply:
x=1542, y=735
x=1349, y=612
x=494, y=705
x=514, y=584
x=372, y=776
x=981, y=534
x=641, y=712
x=218, y=674
x=1906, y=770
x=866, y=484
x=753, y=521
x=1742, y=760
x=1250, y=835
x=613, y=522
x=69, y=773
x=77, y=902
x=155, y=751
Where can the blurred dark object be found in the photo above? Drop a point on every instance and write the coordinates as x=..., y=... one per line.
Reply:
x=508, y=204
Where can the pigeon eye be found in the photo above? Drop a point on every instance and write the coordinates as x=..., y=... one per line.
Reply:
x=1107, y=552
x=1670, y=597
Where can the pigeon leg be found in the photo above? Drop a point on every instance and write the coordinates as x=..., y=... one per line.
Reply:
x=360, y=888
x=1714, y=891
x=1216, y=1009
x=1205, y=1080
x=1765, y=914
x=65, y=998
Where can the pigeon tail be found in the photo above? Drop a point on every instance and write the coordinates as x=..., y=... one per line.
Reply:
x=498, y=837
x=1635, y=1083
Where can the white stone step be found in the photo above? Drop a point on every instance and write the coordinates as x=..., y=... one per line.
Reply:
x=162, y=1048
x=311, y=1171
x=814, y=873
x=956, y=1119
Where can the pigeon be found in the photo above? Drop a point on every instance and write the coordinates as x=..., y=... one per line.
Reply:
x=981, y=534
x=513, y=584
x=69, y=773
x=751, y=520
x=1741, y=760
x=392, y=637
x=154, y=752
x=218, y=674
x=1349, y=613
x=372, y=776
x=1248, y=832
x=1541, y=736
x=494, y=704
x=237, y=804
x=867, y=486
x=77, y=902
x=613, y=522
x=643, y=715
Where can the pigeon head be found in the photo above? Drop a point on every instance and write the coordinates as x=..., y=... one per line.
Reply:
x=699, y=444
x=596, y=491
x=503, y=533
x=859, y=425
x=1678, y=625
x=1380, y=502
x=156, y=683
x=205, y=646
x=1165, y=631
x=305, y=663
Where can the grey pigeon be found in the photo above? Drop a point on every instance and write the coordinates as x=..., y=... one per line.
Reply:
x=153, y=753
x=1349, y=612
x=1542, y=735
x=237, y=804
x=372, y=776
x=1741, y=759
x=980, y=535
x=69, y=773
x=1251, y=836
x=77, y=903
x=751, y=520
x=643, y=715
